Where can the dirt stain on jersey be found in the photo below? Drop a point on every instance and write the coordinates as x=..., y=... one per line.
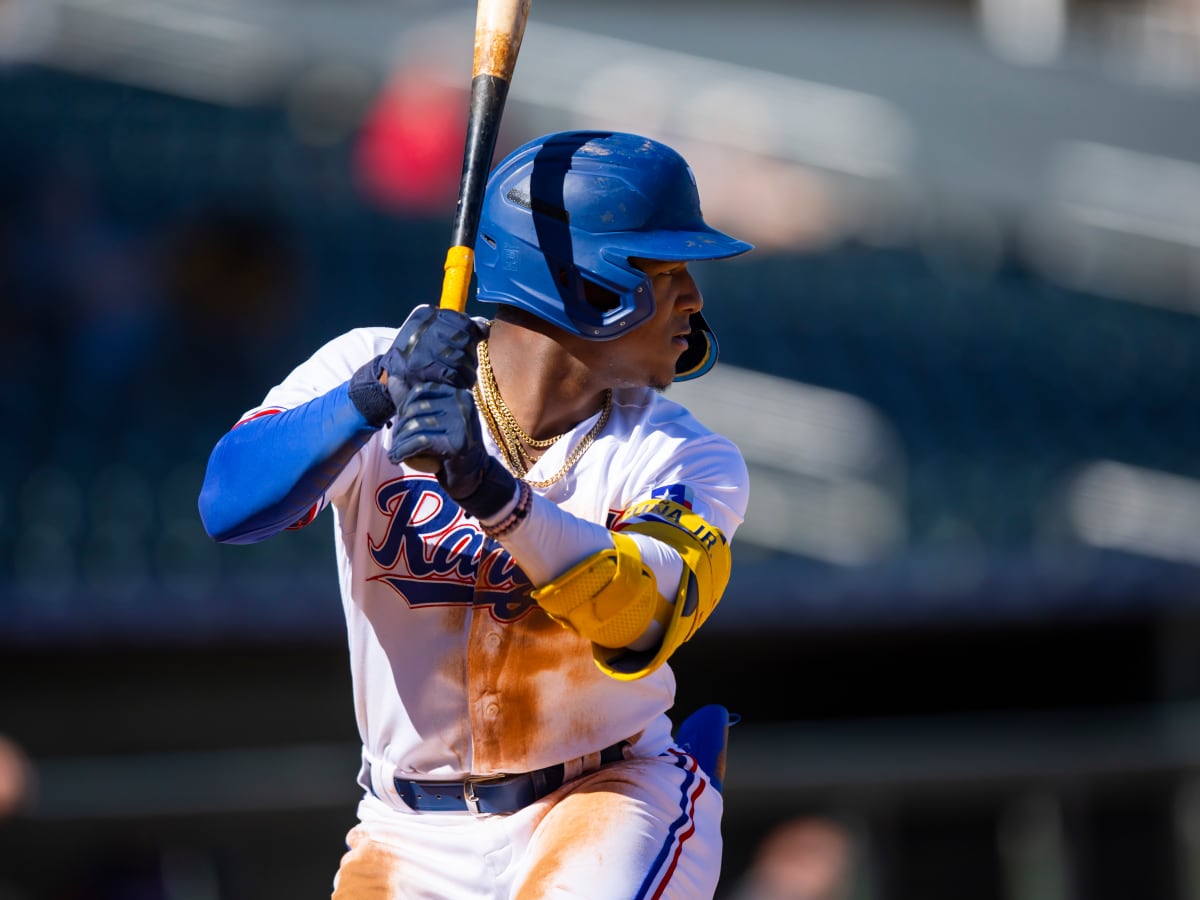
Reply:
x=516, y=672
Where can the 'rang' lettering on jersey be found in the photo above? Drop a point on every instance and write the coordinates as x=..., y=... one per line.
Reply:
x=429, y=548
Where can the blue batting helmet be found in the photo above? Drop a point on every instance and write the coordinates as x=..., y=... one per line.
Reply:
x=563, y=215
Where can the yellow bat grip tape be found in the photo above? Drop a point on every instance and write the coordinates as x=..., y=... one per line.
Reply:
x=459, y=262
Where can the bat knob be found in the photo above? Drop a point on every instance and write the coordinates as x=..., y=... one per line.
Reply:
x=427, y=464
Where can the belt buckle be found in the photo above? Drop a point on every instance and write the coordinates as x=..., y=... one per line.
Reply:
x=469, y=795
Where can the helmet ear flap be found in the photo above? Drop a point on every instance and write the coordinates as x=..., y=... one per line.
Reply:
x=701, y=353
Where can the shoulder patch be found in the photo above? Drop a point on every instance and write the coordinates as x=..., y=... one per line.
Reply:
x=676, y=493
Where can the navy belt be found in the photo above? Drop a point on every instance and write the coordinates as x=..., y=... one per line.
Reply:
x=491, y=794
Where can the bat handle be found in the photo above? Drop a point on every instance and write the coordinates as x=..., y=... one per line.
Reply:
x=459, y=263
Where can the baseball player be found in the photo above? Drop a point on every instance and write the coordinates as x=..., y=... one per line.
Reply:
x=526, y=529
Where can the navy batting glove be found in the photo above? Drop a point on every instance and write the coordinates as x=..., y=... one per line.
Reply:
x=434, y=344
x=440, y=421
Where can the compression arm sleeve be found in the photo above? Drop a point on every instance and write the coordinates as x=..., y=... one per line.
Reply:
x=269, y=472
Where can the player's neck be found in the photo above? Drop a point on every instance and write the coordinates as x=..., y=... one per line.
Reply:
x=548, y=390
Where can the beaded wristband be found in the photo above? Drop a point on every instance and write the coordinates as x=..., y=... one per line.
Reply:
x=514, y=518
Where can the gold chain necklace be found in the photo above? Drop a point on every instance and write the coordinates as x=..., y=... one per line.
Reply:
x=509, y=436
x=501, y=422
x=488, y=377
x=512, y=453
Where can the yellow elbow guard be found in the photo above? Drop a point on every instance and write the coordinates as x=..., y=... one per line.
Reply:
x=610, y=598
x=706, y=568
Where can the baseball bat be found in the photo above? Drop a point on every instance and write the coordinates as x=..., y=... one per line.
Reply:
x=499, y=29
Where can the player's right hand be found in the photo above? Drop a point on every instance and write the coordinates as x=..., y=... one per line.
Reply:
x=441, y=422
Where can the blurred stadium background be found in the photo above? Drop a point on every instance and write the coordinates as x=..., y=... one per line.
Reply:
x=963, y=363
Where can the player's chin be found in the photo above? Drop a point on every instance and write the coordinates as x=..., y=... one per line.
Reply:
x=662, y=377
x=661, y=384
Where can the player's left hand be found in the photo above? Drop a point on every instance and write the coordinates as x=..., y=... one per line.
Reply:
x=439, y=420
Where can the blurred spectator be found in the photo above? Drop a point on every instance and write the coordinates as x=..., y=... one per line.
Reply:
x=804, y=858
x=82, y=272
x=233, y=278
x=16, y=793
x=409, y=154
x=84, y=303
x=16, y=778
x=232, y=273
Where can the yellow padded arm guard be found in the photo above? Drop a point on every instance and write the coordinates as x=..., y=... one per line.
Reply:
x=706, y=568
x=610, y=598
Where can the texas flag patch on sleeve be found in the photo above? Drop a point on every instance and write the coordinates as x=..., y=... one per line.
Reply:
x=676, y=493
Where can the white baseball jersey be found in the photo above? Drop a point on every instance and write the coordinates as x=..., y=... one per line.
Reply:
x=456, y=670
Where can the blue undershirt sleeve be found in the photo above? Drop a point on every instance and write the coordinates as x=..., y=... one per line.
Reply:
x=267, y=473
